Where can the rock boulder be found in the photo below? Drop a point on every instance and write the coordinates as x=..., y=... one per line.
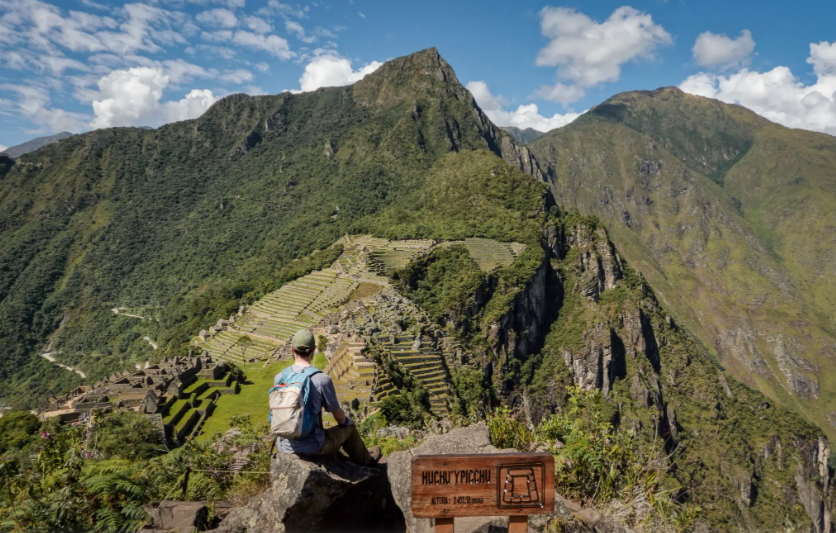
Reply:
x=331, y=494
x=476, y=440
x=177, y=517
x=471, y=439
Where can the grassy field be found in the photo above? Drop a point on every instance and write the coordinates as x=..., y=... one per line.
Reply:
x=319, y=360
x=252, y=399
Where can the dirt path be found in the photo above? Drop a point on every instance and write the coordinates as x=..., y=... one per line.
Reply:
x=52, y=360
x=152, y=343
x=118, y=311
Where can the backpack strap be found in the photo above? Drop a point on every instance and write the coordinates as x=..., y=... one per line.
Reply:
x=282, y=376
x=310, y=371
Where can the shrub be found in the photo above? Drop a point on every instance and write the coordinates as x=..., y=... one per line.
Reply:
x=18, y=430
x=406, y=409
x=473, y=393
x=506, y=432
x=128, y=435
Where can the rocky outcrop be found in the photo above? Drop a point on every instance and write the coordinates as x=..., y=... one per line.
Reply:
x=473, y=439
x=476, y=440
x=812, y=479
x=785, y=349
x=329, y=494
x=176, y=517
x=520, y=331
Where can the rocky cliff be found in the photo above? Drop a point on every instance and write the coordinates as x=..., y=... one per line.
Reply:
x=584, y=317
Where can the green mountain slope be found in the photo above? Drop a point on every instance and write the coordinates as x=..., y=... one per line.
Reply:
x=728, y=216
x=181, y=223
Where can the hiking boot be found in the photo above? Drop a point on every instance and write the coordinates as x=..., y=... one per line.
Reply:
x=376, y=454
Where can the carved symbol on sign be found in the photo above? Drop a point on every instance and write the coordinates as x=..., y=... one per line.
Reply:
x=519, y=485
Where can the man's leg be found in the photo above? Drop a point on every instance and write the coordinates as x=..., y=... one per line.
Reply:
x=347, y=438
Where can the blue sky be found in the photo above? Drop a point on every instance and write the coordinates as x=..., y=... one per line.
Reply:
x=80, y=65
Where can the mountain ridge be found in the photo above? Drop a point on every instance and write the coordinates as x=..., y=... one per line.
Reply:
x=523, y=136
x=34, y=144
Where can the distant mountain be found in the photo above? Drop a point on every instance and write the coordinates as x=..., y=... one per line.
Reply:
x=522, y=136
x=35, y=144
x=730, y=218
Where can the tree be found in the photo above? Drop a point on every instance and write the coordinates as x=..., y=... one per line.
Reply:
x=128, y=435
x=17, y=430
x=245, y=341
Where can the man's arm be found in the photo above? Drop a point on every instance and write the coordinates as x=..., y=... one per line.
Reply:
x=330, y=403
x=340, y=416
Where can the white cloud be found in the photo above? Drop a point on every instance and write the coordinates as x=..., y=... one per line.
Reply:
x=526, y=116
x=132, y=98
x=712, y=50
x=560, y=93
x=33, y=104
x=361, y=14
x=263, y=67
x=272, y=44
x=254, y=90
x=274, y=7
x=296, y=29
x=3, y=147
x=330, y=70
x=95, y=5
x=258, y=25
x=823, y=58
x=219, y=51
x=237, y=76
x=587, y=52
x=218, y=18
x=777, y=94
x=146, y=28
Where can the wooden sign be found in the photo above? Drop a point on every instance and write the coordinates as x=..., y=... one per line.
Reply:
x=514, y=484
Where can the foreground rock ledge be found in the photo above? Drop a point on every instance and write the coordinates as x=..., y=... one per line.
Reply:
x=318, y=495
x=336, y=495
x=476, y=440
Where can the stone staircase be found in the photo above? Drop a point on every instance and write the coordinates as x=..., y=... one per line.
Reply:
x=488, y=253
x=423, y=362
x=352, y=375
x=396, y=255
x=353, y=262
x=227, y=346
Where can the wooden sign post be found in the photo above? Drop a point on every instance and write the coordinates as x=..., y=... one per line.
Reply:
x=515, y=485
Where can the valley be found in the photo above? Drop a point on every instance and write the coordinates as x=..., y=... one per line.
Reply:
x=628, y=271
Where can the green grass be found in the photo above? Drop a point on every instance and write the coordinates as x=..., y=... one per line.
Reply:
x=252, y=399
x=172, y=410
x=320, y=361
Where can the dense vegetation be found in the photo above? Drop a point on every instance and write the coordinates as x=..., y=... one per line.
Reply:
x=70, y=479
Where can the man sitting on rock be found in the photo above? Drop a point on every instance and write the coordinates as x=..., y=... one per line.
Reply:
x=320, y=441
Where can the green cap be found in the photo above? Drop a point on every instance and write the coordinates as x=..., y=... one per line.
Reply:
x=303, y=341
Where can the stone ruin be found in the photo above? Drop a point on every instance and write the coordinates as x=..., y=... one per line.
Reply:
x=362, y=318
x=150, y=391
